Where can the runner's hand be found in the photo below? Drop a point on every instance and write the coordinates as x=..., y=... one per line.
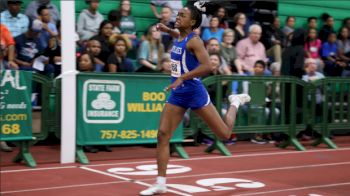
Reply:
x=174, y=85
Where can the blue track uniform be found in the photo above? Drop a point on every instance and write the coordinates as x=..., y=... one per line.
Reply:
x=191, y=94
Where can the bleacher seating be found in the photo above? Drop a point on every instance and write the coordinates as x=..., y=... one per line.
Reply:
x=304, y=9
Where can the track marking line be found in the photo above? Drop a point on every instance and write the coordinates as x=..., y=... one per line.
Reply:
x=255, y=170
x=61, y=187
x=126, y=180
x=179, y=159
x=227, y=157
x=130, y=180
x=38, y=169
x=295, y=189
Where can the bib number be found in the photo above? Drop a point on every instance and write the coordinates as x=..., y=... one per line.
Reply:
x=175, y=68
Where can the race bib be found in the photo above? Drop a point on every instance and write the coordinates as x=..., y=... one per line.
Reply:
x=313, y=49
x=175, y=68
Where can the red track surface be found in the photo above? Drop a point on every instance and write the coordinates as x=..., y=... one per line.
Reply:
x=272, y=171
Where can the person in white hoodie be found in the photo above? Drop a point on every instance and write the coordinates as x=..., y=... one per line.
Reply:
x=89, y=20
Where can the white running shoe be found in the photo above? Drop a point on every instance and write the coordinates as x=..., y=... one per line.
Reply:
x=242, y=98
x=153, y=190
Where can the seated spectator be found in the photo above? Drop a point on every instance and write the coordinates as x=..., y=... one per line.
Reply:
x=213, y=47
x=250, y=50
x=7, y=47
x=127, y=23
x=312, y=22
x=105, y=32
x=221, y=14
x=151, y=51
x=165, y=19
x=16, y=22
x=53, y=51
x=86, y=62
x=240, y=20
x=313, y=48
x=273, y=39
x=333, y=64
x=328, y=27
x=228, y=51
x=114, y=17
x=288, y=29
x=166, y=64
x=31, y=10
x=28, y=47
x=117, y=61
x=214, y=31
x=344, y=49
x=94, y=48
x=49, y=29
x=174, y=5
x=89, y=20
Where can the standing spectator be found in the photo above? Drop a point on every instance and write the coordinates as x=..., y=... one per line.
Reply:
x=333, y=64
x=240, y=21
x=214, y=31
x=32, y=8
x=127, y=23
x=250, y=50
x=16, y=22
x=28, y=46
x=313, y=48
x=328, y=23
x=228, y=51
x=174, y=5
x=7, y=46
x=312, y=22
x=105, y=32
x=221, y=14
x=151, y=51
x=273, y=40
x=114, y=17
x=166, y=20
x=49, y=29
x=344, y=49
x=117, y=61
x=89, y=20
x=288, y=29
x=293, y=55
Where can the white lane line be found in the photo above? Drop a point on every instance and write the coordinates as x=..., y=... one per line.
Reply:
x=295, y=189
x=60, y=187
x=179, y=159
x=227, y=157
x=38, y=169
x=130, y=180
x=256, y=170
x=170, y=177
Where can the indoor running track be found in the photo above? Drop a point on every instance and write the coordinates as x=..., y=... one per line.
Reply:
x=319, y=172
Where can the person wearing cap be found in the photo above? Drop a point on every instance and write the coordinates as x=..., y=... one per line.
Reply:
x=28, y=46
x=32, y=8
x=16, y=22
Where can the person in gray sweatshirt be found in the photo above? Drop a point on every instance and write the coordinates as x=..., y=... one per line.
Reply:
x=89, y=20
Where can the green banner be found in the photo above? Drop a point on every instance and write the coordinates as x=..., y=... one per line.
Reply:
x=120, y=109
x=15, y=105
